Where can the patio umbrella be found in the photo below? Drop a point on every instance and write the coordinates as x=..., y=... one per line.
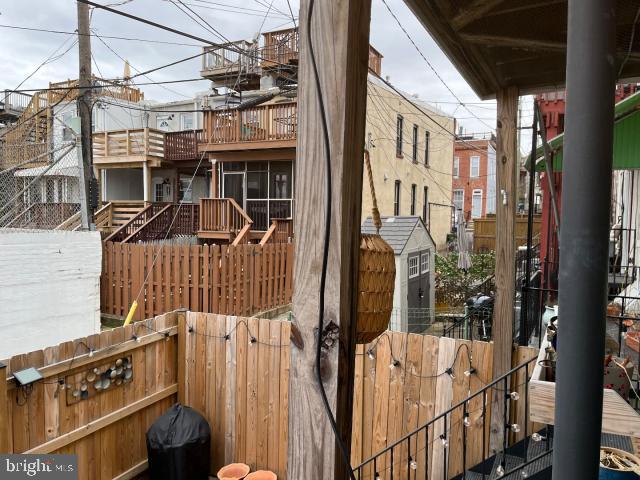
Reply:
x=464, y=259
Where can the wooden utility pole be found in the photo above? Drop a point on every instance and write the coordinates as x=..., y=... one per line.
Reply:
x=340, y=37
x=85, y=161
x=507, y=197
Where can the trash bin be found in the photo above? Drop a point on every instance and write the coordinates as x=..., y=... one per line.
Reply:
x=179, y=445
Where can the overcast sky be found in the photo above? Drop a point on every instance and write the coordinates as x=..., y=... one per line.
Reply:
x=22, y=51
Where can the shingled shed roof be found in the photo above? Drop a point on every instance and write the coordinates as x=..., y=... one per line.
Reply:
x=396, y=231
x=499, y=43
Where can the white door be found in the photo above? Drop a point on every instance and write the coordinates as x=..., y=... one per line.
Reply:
x=476, y=204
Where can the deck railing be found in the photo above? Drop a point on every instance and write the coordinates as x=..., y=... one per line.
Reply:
x=228, y=58
x=280, y=231
x=183, y=145
x=127, y=143
x=168, y=221
x=458, y=438
x=15, y=101
x=223, y=215
x=264, y=123
x=280, y=47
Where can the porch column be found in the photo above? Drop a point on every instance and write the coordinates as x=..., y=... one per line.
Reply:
x=507, y=197
x=331, y=127
x=584, y=237
x=215, y=180
x=146, y=182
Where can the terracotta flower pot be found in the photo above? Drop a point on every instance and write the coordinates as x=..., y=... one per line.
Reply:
x=233, y=471
x=262, y=475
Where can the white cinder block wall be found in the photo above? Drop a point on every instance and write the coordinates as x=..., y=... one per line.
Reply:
x=49, y=288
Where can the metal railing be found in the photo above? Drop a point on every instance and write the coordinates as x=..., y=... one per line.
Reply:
x=467, y=421
x=15, y=101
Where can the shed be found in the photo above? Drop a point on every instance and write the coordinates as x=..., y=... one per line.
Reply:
x=414, y=294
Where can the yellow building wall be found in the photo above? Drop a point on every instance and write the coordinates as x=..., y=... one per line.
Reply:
x=383, y=107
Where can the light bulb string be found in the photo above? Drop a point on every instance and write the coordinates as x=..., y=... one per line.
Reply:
x=437, y=438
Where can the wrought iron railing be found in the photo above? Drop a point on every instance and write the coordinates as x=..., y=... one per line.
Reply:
x=465, y=430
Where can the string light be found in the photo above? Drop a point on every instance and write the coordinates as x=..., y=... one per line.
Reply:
x=413, y=464
x=135, y=338
x=167, y=336
x=395, y=363
x=536, y=437
x=91, y=351
x=252, y=340
x=445, y=442
x=500, y=470
x=467, y=420
x=515, y=396
x=370, y=354
x=515, y=428
x=190, y=329
x=471, y=371
x=524, y=474
x=449, y=371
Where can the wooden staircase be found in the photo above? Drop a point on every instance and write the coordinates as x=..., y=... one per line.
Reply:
x=117, y=213
x=280, y=231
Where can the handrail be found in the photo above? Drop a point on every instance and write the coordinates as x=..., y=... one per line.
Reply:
x=140, y=215
x=483, y=392
x=146, y=224
x=267, y=236
x=240, y=210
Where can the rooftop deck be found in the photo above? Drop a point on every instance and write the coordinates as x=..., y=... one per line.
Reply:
x=128, y=147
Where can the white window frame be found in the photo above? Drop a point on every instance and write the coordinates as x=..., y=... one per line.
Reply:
x=456, y=167
x=474, y=159
x=183, y=117
x=453, y=198
x=415, y=268
x=425, y=262
x=475, y=194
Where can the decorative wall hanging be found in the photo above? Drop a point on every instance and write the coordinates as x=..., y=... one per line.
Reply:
x=89, y=383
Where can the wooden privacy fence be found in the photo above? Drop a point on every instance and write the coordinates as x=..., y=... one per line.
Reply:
x=242, y=388
x=240, y=280
x=107, y=429
x=484, y=232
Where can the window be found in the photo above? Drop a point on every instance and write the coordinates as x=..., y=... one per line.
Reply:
x=413, y=199
x=413, y=266
x=396, y=199
x=186, y=121
x=458, y=199
x=162, y=123
x=399, y=127
x=474, y=167
x=476, y=204
x=425, y=206
x=427, y=141
x=424, y=262
x=414, y=151
x=67, y=132
x=456, y=167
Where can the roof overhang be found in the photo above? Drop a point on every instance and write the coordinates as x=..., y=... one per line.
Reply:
x=496, y=44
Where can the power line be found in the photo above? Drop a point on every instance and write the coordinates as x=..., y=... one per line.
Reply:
x=116, y=82
x=113, y=37
x=435, y=71
x=241, y=10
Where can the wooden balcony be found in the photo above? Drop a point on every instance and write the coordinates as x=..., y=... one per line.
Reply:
x=128, y=148
x=281, y=48
x=263, y=126
x=232, y=63
x=223, y=219
x=182, y=146
x=281, y=231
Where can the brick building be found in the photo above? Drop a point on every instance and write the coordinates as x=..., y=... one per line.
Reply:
x=474, y=177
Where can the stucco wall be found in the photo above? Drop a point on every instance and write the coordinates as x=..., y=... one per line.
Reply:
x=383, y=107
x=49, y=288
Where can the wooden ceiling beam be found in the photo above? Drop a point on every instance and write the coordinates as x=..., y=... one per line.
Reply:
x=476, y=9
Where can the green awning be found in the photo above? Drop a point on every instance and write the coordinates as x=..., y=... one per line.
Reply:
x=626, y=139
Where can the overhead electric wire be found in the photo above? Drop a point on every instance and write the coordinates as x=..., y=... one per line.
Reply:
x=433, y=69
x=206, y=25
x=244, y=11
x=116, y=82
x=112, y=37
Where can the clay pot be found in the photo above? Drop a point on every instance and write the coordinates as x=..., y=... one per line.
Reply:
x=233, y=471
x=262, y=475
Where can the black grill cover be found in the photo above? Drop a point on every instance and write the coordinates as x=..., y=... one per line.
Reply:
x=179, y=445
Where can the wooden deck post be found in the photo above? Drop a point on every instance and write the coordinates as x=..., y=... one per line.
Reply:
x=4, y=411
x=506, y=192
x=182, y=338
x=340, y=35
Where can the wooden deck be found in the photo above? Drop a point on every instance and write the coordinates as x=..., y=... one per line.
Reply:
x=264, y=126
x=223, y=219
x=182, y=146
x=128, y=148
